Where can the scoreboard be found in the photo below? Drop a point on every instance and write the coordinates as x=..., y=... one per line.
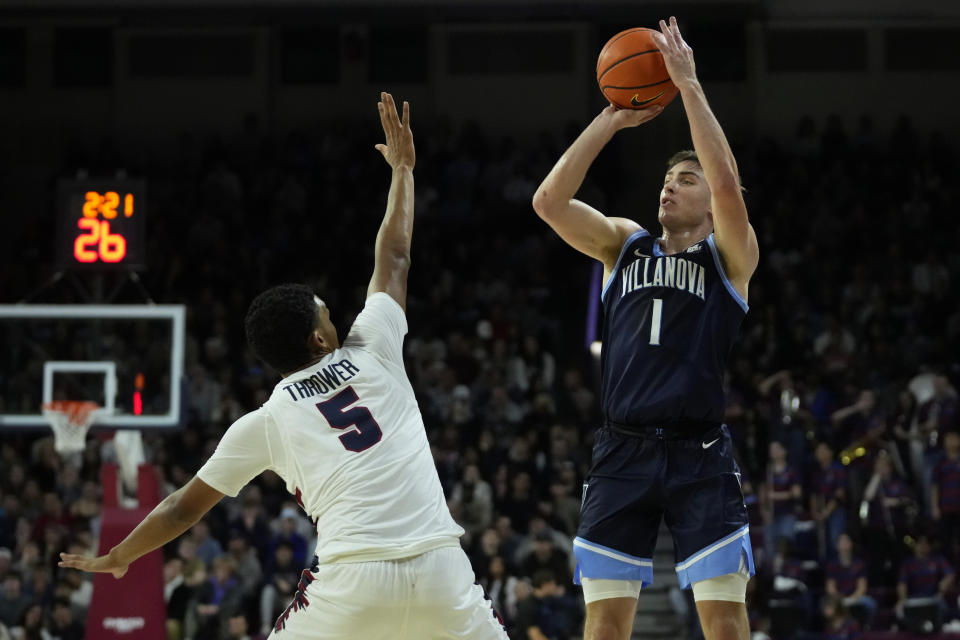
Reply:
x=100, y=223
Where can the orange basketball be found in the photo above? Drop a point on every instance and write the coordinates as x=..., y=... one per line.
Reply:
x=631, y=73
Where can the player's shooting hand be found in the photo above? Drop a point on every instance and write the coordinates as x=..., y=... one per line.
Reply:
x=398, y=150
x=625, y=118
x=677, y=54
x=102, y=564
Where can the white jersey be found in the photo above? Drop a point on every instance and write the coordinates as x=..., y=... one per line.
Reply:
x=347, y=437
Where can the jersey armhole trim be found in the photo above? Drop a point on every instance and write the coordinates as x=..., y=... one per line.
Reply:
x=639, y=233
x=723, y=275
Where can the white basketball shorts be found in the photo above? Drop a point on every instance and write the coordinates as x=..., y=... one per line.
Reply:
x=427, y=597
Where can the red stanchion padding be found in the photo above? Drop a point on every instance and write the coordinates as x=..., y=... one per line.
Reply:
x=148, y=486
x=108, y=480
x=133, y=606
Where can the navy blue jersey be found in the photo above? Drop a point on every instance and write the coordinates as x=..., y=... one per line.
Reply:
x=669, y=323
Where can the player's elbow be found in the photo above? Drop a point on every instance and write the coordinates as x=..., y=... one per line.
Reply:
x=544, y=204
x=395, y=258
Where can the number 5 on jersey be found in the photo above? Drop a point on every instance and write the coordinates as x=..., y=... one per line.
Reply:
x=367, y=431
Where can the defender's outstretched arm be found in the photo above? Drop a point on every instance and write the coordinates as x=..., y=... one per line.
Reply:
x=178, y=512
x=392, y=250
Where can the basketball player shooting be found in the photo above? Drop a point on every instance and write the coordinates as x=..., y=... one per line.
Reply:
x=344, y=431
x=672, y=309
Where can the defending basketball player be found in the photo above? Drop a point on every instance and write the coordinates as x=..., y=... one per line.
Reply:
x=673, y=306
x=344, y=431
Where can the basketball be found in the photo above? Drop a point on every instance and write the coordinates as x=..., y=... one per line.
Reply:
x=631, y=72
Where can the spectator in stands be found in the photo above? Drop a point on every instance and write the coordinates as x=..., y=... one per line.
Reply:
x=889, y=505
x=543, y=614
x=858, y=428
x=501, y=589
x=237, y=628
x=783, y=497
x=31, y=625
x=924, y=576
x=215, y=602
x=847, y=579
x=279, y=584
x=945, y=496
x=545, y=556
x=54, y=515
x=828, y=501
x=247, y=565
x=837, y=622
x=183, y=593
x=471, y=503
x=252, y=524
x=286, y=527
x=64, y=626
x=207, y=548
x=13, y=602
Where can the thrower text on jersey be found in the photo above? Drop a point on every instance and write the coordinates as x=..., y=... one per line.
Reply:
x=346, y=435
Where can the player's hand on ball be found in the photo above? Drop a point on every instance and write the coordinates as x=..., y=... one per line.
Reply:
x=398, y=150
x=624, y=118
x=102, y=564
x=677, y=54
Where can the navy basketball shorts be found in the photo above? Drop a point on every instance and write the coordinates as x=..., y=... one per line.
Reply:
x=635, y=481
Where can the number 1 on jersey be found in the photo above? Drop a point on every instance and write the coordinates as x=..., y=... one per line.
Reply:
x=655, y=315
x=335, y=410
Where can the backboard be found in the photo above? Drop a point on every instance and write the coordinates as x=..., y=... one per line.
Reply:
x=129, y=359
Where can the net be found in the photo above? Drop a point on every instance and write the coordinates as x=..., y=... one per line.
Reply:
x=70, y=420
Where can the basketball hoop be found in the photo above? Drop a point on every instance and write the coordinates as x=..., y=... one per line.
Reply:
x=70, y=420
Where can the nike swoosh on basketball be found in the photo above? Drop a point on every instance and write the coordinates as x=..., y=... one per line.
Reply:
x=707, y=445
x=637, y=253
x=635, y=101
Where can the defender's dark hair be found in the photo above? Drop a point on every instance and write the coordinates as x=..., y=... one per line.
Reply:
x=278, y=324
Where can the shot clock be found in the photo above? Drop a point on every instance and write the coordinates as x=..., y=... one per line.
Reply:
x=100, y=223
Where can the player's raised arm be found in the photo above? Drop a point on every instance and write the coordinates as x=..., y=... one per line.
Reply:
x=735, y=237
x=580, y=225
x=392, y=251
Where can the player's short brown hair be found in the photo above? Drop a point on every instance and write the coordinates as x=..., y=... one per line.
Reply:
x=682, y=156
x=691, y=155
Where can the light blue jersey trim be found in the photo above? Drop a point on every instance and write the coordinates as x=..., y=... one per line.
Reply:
x=639, y=233
x=597, y=561
x=723, y=275
x=718, y=559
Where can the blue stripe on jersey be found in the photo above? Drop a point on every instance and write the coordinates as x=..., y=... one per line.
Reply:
x=597, y=561
x=639, y=233
x=723, y=275
x=718, y=559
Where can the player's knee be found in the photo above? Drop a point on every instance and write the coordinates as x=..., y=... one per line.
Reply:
x=603, y=628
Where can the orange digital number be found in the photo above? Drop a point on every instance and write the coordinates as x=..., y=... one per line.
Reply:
x=110, y=247
x=111, y=200
x=84, y=240
x=113, y=246
x=128, y=205
x=91, y=208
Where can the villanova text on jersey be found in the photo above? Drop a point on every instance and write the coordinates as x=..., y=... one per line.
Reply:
x=669, y=324
x=323, y=380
